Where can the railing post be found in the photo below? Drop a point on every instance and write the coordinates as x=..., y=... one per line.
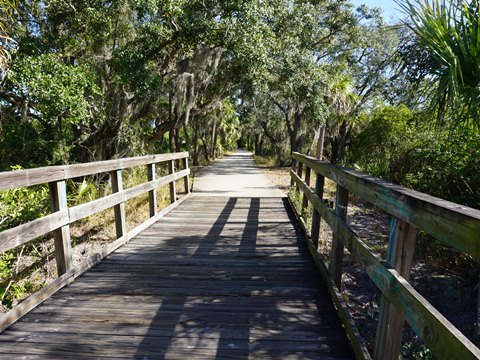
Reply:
x=319, y=185
x=186, y=179
x=307, y=180
x=173, y=190
x=294, y=168
x=63, y=246
x=119, y=210
x=341, y=204
x=152, y=195
x=401, y=247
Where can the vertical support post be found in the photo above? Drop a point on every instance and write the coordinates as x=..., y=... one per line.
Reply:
x=186, y=179
x=319, y=185
x=63, y=246
x=341, y=204
x=401, y=247
x=294, y=168
x=307, y=180
x=299, y=171
x=152, y=194
x=119, y=210
x=173, y=190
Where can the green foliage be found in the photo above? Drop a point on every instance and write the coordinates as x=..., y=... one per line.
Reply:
x=450, y=32
x=18, y=206
x=61, y=91
x=415, y=350
x=396, y=146
x=382, y=146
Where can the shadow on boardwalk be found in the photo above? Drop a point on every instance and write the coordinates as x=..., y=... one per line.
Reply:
x=218, y=278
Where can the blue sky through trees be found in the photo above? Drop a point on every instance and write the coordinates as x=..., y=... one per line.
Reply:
x=390, y=8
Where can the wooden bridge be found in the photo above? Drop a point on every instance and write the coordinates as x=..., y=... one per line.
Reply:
x=228, y=272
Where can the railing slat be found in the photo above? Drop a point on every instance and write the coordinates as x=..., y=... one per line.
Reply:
x=315, y=232
x=390, y=321
x=63, y=246
x=341, y=204
x=152, y=194
x=30, y=177
x=119, y=209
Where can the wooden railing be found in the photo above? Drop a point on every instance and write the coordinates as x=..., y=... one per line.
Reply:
x=62, y=216
x=455, y=225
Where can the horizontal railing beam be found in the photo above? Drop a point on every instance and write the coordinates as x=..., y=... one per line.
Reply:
x=453, y=224
x=30, y=177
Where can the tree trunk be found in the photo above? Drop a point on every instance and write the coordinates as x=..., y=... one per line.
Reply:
x=195, y=143
x=320, y=141
x=342, y=142
x=213, y=145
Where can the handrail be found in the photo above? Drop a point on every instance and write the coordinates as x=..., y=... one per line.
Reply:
x=62, y=216
x=453, y=224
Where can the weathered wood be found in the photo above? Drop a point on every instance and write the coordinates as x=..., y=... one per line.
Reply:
x=152, y=194
x=63, y=247
x=36, y=299
x=21, y=178
x=173, y=189
x=356, y=340
x=390, y=322
x=141, y=304
x=186, y=180
x=336, y=266
x=22, y=234
x=119, y=209
x=319, y=185
x=453, y=224
x=439, y=335
x=84, y=210
x=307, y=180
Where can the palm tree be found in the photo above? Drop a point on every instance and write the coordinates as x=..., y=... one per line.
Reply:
x=450, y=33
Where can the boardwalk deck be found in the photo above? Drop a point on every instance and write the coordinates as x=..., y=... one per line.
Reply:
x=217, y=278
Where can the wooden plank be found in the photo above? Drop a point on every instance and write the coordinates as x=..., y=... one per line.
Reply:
x=173, y=190
x=319, y=186
x=63, y=246
x=453, y=224
x=439, y=335
x=390, y=321
x=152, y=194
x=36, y=299
x=119, y=209
x=21, y=178
x=186, y=181
x=307, y=180
x=336, y=257
x=22, y=234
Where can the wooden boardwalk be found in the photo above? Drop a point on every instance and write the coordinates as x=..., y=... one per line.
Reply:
x=217, y=278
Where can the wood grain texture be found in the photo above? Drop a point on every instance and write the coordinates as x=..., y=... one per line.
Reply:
x=36, y=299
x=439, y=335
x=63, y=246
x=245, y=290
x=453, y=224
x=30, y=177
x=401, y=248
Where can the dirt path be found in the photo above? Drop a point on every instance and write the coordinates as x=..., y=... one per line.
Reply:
x=234, y=176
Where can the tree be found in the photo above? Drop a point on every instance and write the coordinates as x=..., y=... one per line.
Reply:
x=449, y=32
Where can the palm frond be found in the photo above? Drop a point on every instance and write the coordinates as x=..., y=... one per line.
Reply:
x=450, y=32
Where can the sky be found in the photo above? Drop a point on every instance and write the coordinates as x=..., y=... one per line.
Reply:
x=390, y=9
